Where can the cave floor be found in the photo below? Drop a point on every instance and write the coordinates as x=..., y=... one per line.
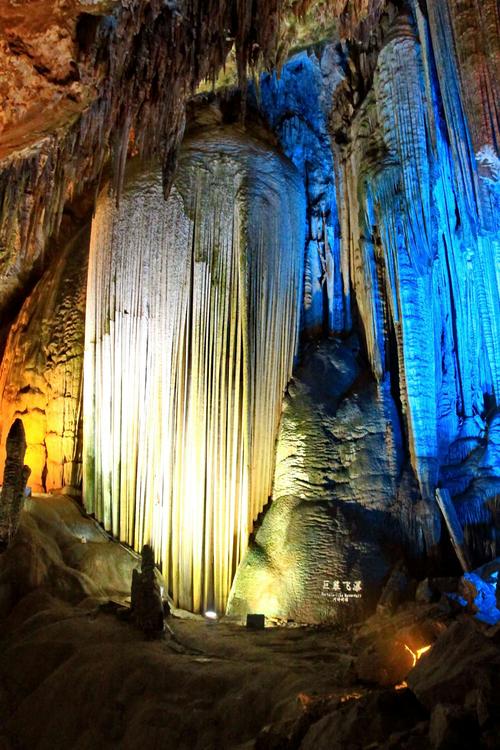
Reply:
x=81, y=679
x=74, y=676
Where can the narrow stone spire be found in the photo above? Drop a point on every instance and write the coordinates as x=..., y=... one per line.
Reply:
x=16, y=475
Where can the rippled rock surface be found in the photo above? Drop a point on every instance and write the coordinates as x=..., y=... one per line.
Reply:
x=343, y=501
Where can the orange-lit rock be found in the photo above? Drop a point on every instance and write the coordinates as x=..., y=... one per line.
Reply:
x=39, y=58
x=385, y=663
x=40, y=375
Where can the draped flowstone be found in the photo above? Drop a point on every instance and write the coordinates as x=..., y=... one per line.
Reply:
x=191, y=331
x=424, y=251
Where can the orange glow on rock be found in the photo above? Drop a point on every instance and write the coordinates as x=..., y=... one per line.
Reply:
x=418, y=653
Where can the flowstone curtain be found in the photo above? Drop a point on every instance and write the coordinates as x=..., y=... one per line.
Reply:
x=191, y=330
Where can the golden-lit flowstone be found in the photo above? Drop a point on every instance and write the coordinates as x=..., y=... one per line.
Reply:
x=41, y=372
x=191, y=331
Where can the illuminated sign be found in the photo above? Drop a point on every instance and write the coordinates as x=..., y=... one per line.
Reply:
x=342, y=591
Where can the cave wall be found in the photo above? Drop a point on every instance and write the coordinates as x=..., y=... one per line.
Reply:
x=41, y=371
x=412, y=239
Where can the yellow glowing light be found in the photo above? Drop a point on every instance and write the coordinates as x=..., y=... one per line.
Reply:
x=350, y=697
x=416, y=655
x=306, y=700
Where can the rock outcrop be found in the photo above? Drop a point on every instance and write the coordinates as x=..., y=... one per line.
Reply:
x=15, y=476
x=343, y=500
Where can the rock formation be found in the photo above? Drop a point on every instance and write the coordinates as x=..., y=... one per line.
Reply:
x=41, y=372
x=344, y=504
x=388, y=129
x=146, y=602
x=15, y=476
x=90, y=82
x=182, y=391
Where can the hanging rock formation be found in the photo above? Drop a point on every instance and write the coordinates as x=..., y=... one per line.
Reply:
x=422, y=247
x=85, y=82
x=191, y=332
x=296, y=105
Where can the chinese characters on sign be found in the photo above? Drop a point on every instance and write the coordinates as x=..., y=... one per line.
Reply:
x=342, y=591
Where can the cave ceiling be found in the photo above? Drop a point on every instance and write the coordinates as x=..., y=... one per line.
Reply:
x=83, y=82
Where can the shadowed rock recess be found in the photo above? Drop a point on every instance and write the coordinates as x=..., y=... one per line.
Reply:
x=250, y=329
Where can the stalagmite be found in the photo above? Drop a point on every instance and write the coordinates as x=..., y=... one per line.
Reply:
x=145, y=602
x=191, y=331
x=14, y=484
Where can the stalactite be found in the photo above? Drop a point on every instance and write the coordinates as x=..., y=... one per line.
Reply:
x=296, y=108
x=146, y=59
x=192, y=322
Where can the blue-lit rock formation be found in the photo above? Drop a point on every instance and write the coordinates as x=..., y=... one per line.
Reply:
x=424, y=248
x=403, y=229
x=418, y=211
x=296, y=105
